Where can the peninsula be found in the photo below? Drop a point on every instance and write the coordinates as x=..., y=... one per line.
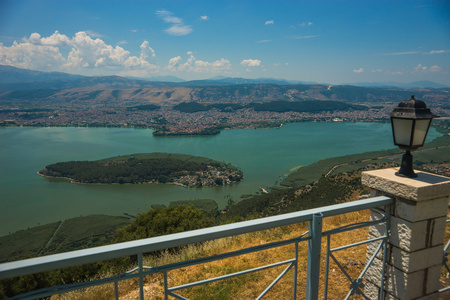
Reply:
x=181, y=169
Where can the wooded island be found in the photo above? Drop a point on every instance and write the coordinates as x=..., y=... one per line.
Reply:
x=181, y=169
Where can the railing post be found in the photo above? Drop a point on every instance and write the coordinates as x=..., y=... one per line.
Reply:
x=295, y=272
x=413, y=257
x=141, y=278
x=314, y=247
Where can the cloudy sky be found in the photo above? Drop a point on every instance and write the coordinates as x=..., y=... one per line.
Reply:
x=323, y=41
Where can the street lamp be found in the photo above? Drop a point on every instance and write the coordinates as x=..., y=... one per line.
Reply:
x=410, y=123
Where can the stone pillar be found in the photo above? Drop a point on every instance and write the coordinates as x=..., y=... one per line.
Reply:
x=417, y=227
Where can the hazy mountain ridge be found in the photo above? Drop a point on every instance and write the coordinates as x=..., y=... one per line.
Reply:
x=9, y=74
x=235, y=90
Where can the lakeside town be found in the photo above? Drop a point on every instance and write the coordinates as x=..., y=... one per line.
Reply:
x=176, y=121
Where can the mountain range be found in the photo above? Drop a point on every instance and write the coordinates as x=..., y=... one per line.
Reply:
x=12, y=75
x=22, y=84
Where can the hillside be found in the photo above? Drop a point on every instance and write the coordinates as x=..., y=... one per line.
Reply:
x=20, y=84
x=9, y=74
x=121, y=89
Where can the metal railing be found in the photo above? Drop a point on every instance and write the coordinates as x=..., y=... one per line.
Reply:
x=139, y=247
x=445, y=262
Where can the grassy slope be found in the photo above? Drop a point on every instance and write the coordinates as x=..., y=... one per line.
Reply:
x=311, y=173
x=76, y=233
x=25, y=243
x=84, y=232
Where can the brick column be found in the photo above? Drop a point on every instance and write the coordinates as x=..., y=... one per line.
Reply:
x=417, y=227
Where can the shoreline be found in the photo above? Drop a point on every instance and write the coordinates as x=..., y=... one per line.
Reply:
x=157, y=133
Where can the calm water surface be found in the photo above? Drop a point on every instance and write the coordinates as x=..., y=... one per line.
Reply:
x=264, y=155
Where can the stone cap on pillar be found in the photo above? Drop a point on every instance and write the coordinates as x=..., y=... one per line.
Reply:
x=424, y=187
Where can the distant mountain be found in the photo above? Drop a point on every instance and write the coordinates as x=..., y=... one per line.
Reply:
x=109, y=82
x=21, y=84
x=9, y=74
x=392, y=84
x=161, y=78
x=104, y=82
x=238, y=80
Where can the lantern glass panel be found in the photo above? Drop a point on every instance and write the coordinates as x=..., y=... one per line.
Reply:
x=420, y=132
x=402, y=131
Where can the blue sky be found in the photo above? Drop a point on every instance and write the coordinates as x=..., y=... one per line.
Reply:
x=323, y=41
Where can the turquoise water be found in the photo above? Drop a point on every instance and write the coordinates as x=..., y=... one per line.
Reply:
x=264, y=155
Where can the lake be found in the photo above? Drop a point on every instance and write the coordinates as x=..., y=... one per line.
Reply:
x=264, y=155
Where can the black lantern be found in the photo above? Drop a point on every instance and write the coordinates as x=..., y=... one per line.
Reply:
x=410, y=123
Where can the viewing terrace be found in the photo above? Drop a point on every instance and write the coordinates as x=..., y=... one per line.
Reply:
x=404, y=254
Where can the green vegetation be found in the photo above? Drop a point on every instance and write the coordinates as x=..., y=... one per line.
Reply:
x=29, y=95
x=306, y=106
x=84, y=232
x=25, y=243
x=433, y=152
x=160, y=221
x=163, y=220
x=313, y=106
x=205, y=132
x=209, y=207
x=182, y=169
x=191, y=107
x=75, y=233
x=325, y=191
x=148, y=107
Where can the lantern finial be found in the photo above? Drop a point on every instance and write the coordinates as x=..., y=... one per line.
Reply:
x=410, y=121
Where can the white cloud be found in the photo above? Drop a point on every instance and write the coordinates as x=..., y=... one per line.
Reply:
x=134, y=30
x=424, y=69
x=56, y=39
x=251, y=62
x=263, y=41
x=269, y=22
x=146, y=51
x=419, y=52
x=360, y=70
x=420, y=68
x=204, y=18
x=31, y=56
x=178, y=28
x=84, y=52
x=199, y=66
x=435, y=69
x=93, y=34
x=404, y=53
x=306, y=24
x=437, y=52
x=168, y=17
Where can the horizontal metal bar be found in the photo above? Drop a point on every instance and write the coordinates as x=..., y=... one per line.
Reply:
x=201, y=260
x=358, y=243
x=85, y=256
x=192, y=284
x=353, y=226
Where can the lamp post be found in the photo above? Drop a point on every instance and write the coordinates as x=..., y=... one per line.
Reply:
x=410, y=123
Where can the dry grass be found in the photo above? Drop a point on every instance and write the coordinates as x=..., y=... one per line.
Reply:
x=247, y=286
